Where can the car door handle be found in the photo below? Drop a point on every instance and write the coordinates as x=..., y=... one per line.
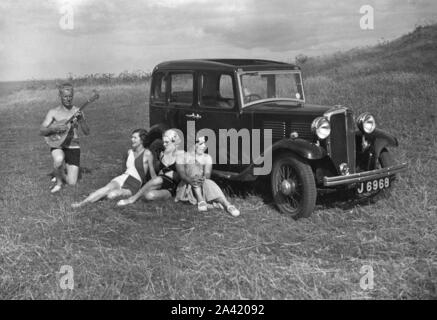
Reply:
x=194, y=116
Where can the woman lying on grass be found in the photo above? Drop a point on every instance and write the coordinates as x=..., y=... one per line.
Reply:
x=139, y=167
x=196, y=187
x=164, y=185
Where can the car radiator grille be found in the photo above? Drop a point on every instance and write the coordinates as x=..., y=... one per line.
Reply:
x=341, y=142
x=282, y=129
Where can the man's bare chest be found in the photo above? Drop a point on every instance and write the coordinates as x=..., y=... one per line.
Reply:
x=63, y=114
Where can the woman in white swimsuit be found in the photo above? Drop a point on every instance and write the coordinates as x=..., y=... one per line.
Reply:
x=164, y=185
x=139, y=168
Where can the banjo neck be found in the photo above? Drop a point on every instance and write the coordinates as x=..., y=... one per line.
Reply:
x=80, y=109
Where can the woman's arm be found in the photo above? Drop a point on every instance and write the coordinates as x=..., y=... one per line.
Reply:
x=207, y=169
x=180, y=168
x=124, y=163
x=181, y=160
x=148, y=163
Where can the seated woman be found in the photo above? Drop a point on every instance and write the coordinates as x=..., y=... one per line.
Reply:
x=139, y=166
x=196, y=187
x=164, y=185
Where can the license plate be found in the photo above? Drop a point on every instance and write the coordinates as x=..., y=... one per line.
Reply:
x=373, y=185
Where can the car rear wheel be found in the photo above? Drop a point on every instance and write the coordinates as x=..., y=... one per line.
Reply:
x=293, y=186
x=155, y=148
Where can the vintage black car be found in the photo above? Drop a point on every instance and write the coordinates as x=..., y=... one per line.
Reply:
x=313, y=147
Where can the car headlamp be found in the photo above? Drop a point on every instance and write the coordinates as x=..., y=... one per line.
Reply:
x=366, y=122
x=321, y=127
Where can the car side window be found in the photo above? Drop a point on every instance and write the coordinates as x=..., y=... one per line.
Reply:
x=159, y=88
x=181, y=88
x=226, y=88
x=216, y=90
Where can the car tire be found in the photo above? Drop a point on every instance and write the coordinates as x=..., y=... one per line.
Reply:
x=155, y=148
x=386, y=160
x=293, y=186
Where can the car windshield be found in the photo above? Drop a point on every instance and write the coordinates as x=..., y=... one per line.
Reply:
x=271, y=85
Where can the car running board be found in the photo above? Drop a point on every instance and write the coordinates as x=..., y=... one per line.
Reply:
x=245, y=175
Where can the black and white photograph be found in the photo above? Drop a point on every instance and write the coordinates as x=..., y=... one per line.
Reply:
x=229, y=152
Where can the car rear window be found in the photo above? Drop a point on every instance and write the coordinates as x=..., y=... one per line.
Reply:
x=159, y=88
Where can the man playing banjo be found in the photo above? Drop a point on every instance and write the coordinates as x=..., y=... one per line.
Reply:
x=69, y=151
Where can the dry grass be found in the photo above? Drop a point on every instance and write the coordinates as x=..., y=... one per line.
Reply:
x=164, y=251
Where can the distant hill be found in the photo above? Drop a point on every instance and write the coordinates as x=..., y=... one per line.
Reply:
x=413, y=52
x=126, y=77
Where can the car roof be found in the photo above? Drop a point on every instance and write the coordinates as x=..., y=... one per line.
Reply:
x=225, y=65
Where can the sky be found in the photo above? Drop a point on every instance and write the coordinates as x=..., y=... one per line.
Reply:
x=37, y=41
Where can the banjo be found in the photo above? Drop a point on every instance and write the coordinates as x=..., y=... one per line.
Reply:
x=57, y=140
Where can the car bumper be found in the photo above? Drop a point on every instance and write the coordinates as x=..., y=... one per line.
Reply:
x=363, y=176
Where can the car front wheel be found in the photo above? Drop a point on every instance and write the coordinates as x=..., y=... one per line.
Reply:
x=293, y=186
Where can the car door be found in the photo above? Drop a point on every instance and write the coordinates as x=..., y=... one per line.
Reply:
x=182, y=98
x=217, y=110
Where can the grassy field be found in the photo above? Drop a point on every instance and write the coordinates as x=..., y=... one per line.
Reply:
x=168, y=251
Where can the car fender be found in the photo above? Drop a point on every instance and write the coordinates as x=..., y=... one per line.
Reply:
x=381, y=140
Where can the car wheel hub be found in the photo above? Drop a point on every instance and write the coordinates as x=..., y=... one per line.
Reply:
x=287, y=187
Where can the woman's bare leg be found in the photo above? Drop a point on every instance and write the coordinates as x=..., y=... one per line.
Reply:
x=119, y=193
x=230, y=208
x=201, y=203
x=153, y=195
x=152, y=184
x=98, y=194
x=198, y=194
x=223, y=201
